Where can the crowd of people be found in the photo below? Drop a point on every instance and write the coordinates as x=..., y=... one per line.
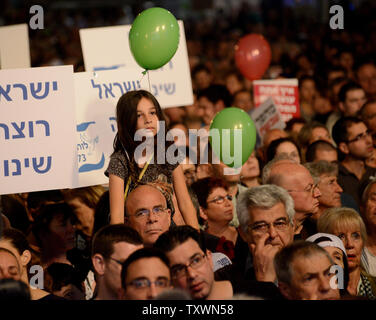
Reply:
x=297, y=222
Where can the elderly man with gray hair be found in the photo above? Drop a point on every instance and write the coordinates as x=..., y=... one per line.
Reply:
x=266, y=215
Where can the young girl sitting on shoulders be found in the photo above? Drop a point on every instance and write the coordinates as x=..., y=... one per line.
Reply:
x=137, y=110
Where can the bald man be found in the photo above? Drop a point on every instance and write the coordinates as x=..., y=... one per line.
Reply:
x=147, y=213
x=299, y=183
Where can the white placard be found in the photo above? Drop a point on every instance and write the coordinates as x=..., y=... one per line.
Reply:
x=267, y=117
x=37, y=129
x=107, y=48
x=14, y=47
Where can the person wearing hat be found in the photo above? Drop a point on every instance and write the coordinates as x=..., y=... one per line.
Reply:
x=334, y=246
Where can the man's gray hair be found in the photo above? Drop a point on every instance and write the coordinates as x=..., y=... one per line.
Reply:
x=319, y=168
x=267, y=178
x=264, y=197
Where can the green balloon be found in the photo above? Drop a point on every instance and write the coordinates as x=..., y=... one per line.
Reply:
x=232, y=136
x=154, y=38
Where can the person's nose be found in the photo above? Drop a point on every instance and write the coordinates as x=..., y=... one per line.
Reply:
x=316, y=192
x=191, y=273
x=338, y=188
x=272, y=231
x=324, y=283
x=152, y=291
x=349, y=243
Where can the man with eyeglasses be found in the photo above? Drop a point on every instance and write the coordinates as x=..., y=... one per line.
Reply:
x=192, y=268
x=111, y=246
x=266, y=216
x=298, y=182
x=147, y=213
x=144, y=275
x=355, y=143
x=191, y=264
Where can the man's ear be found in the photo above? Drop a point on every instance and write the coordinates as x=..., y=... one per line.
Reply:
x=219, y=105
x=343, y=147
x=98, y=264
x=25, y=257
x=202, y=214
x=210, y=257
x=341, y=107
x=285, y=290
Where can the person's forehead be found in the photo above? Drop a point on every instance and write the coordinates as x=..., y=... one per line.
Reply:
x=371, y=192
x=150, y=267
x=184, y=251
x=145, y=196
x=8, y=259
x=315, y=263
x=320, y=130
x=354, y=93
x=327, y=176
x=268, y=215
x=356, y=128
x=123, y=249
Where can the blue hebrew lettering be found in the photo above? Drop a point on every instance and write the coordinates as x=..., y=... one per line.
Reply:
x=5, y=92
x=39, y=88
x=19, y=130
x=155, y=92
x=91, y=167
x=112, y=125
x=134, y=85
x=27, y=163
x=46, y=126
x=138, y=84
x=116, y=66
x=31, y=129
x=6, y=130
x=84, y=125
x=18, y=167
x=6, y=168
x=169, y=88
x=24, y=89
x=37, y=166
x=54, y=85
x=108, y=89
x=120, y=87
x=97, y=86
x=160, y=87
x=170, y=64
x=127, y=88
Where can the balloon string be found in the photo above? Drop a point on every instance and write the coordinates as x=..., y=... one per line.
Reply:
x=149, y=80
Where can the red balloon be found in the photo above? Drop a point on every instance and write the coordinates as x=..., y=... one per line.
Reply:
x=253, y=56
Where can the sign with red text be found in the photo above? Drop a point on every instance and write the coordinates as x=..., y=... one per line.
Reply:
x=284, y=93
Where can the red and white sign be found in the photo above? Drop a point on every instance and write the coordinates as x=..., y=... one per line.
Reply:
x=284, y=93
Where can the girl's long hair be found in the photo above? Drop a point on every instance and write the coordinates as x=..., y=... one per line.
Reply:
x=126, y=118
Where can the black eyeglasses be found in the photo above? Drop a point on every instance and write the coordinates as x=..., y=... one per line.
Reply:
x=180, y=270
x=144, y=283
x=360, y=136
x=220, y=199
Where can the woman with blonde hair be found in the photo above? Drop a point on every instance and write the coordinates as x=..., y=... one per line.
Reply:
x=347, y=225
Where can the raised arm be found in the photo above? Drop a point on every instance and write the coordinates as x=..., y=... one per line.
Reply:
x=116, y=185
x=184, y=200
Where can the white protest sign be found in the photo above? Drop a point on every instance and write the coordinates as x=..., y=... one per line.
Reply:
x=37, y=129
x=266, y=117
x=107, y=48
x=14, y=47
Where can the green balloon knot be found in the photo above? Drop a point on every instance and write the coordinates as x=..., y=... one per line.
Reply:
x=145, y=71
